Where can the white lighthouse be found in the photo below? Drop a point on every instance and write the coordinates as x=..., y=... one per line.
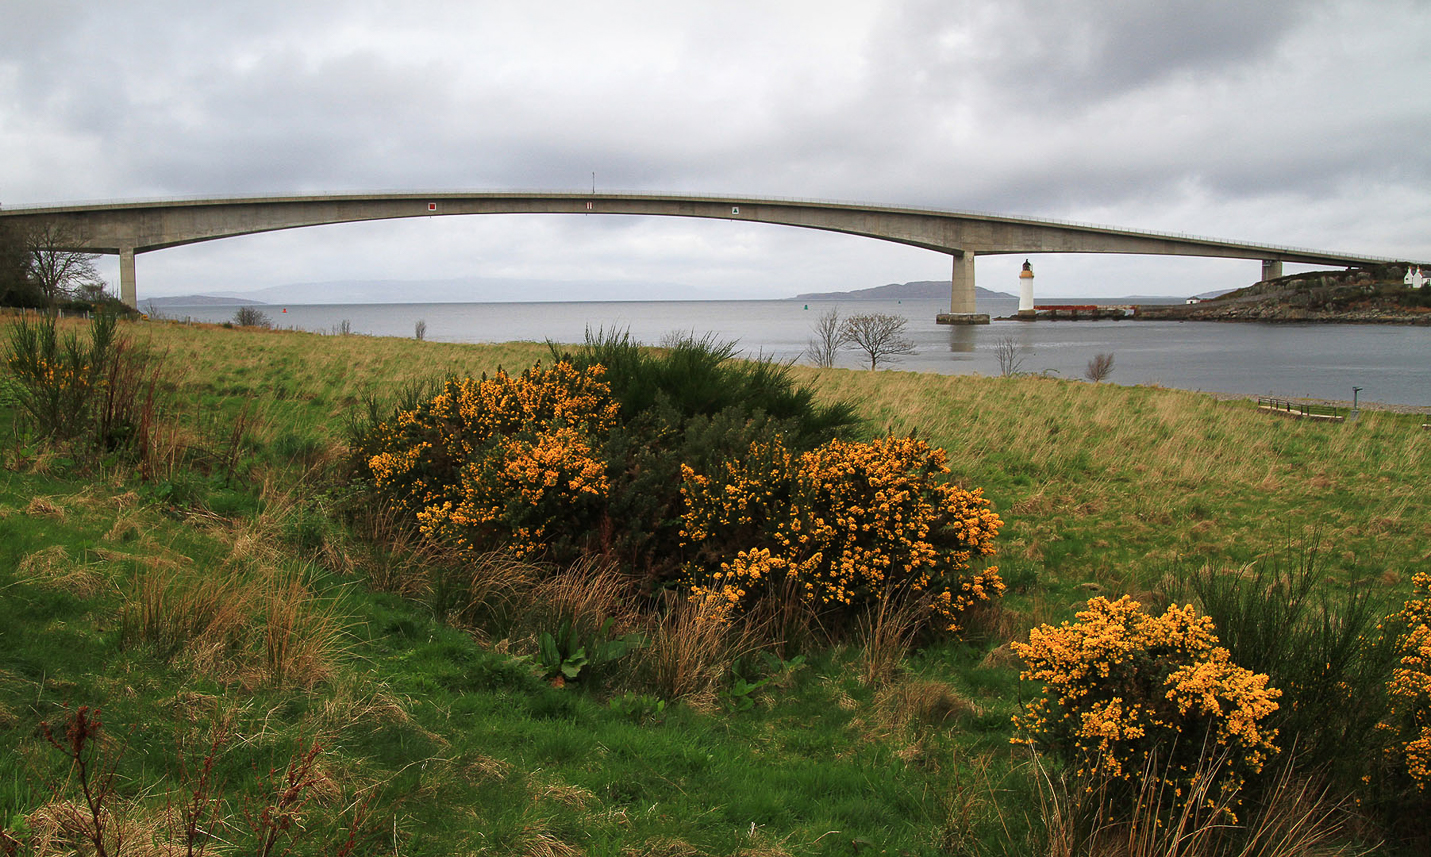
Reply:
x=1026, y=288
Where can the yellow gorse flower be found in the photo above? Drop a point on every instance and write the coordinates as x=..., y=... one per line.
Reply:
x=847, y=522
x=1408, y=723
x=497, y=460
x=1120, y=685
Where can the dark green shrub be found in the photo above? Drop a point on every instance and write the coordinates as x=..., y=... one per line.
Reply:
x=101, y=393
x=690, y=402
x=691, y=376
x=1321, y=645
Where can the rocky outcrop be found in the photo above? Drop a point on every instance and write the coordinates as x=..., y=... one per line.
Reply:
x=1370, y=296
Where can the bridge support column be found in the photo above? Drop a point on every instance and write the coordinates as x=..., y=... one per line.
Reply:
x=961, y=294
x=1271, y=269
x=127, y=290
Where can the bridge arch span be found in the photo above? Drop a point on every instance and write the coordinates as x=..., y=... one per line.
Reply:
x=128, y=228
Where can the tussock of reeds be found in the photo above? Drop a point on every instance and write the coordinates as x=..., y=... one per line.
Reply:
x=690, y=649
x=888, y=633
x=1089, y=815
x=587, y=593
x=264, y=627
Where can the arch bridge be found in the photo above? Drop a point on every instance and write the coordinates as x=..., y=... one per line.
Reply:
x=128, y=228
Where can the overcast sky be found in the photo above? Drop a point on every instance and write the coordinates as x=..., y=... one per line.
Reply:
x=1269, y=121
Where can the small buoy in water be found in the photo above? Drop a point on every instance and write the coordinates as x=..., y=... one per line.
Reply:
x=285, y=309
x=807, y=306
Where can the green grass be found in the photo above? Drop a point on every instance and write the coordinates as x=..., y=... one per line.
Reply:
x=455, y=744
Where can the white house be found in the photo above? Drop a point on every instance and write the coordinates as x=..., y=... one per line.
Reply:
x=1414, y=278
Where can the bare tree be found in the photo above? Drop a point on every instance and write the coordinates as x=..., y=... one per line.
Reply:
x=56, y=266
x=1007, y=350
x=419, y=330
x=1099, y=368
x=829, y=338
x=879, y=335
x=250, y=316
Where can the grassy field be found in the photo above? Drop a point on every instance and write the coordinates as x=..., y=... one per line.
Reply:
x=221, y=610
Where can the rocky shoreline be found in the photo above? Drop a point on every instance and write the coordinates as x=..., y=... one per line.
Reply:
x=1279, y=314
x=1360, y=296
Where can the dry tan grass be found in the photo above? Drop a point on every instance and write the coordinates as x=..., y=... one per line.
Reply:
x=662, y=847
x=497, y=583
x=574, y=797
x=888, y=633
x=922, y=702
x=53, y=568
x=690, y=649
x=1296, y=819
x=536, y=841
x=353, y=702
x=480, y=769
x=1001, y=656
x=587, y=593
x=260, y=628
x=64, y=828
x=44, y=507
x=193, y=706
x=303, y=637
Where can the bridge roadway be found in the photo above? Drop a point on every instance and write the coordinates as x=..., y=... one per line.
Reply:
x=128, y=228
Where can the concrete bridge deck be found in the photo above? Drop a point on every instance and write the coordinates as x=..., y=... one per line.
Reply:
x=128, y=228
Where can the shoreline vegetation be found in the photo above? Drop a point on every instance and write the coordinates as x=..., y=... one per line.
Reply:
x=272, y=591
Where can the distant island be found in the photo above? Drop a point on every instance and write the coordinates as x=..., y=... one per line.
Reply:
x=1375, y=295
x=915, y=291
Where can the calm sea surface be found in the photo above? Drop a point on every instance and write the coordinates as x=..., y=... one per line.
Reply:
x=1391, y=363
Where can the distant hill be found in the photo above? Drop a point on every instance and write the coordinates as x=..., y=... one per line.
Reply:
x=462, y=290
x=196, y=300
x=915, y=291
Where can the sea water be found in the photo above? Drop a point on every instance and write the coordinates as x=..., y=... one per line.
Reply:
x=1390, y=363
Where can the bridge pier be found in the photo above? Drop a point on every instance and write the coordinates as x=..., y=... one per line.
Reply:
x=1271, y=269
x=961, y=294
x=127, y=290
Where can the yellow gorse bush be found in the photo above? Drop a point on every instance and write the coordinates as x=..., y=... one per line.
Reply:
x=1127, y=694
x=1408, y=724
x=846, y=524
x=499, y=460
x=532, y=463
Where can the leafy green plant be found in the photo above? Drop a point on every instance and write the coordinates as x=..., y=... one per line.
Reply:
x=567, y=653
x=746, y=684
x=639, y=708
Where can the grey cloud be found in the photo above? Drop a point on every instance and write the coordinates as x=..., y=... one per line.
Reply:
x=1177, y=115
